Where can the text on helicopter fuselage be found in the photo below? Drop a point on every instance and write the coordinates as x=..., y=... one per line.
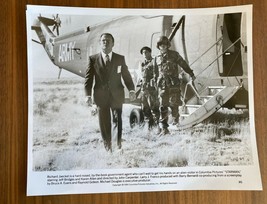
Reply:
x=66, y=52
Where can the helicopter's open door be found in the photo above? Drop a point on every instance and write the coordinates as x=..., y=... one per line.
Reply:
x=229, y=28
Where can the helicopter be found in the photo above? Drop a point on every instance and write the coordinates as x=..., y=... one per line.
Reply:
x=215, y=47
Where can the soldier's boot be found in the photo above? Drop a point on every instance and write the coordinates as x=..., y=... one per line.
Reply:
x=151, y=123
x=165, y=131
x=164, y=121
x=175, y=121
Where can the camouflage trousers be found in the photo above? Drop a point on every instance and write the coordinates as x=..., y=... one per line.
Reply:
x=150, y=107
x=169, y=97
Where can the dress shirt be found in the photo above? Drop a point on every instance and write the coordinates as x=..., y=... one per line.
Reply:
x=104, y=56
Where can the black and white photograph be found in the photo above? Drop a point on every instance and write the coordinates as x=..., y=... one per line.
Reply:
x=131, y=100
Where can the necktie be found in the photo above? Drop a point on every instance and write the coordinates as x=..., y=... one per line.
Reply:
x=107, y=60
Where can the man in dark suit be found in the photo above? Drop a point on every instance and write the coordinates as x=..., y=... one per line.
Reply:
x=106, y=70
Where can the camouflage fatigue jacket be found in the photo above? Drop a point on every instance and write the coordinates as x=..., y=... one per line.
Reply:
x=166, y=69
x=147, y=71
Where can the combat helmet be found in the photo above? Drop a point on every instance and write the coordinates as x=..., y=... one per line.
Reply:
x=163, y=40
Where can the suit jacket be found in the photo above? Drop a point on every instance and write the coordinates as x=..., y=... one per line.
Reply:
x=108, y=87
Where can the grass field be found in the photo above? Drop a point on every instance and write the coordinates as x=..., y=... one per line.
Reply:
x=66, y=136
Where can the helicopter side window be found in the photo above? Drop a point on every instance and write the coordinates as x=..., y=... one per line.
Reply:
x=232, y=59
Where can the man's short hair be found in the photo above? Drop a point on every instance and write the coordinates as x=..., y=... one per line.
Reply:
x=145, y=48
x=108, y=34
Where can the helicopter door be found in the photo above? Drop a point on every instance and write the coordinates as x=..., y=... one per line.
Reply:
x=229, y=26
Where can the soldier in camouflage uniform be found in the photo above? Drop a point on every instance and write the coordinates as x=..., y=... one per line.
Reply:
x=166, y=74
x=150, y=102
